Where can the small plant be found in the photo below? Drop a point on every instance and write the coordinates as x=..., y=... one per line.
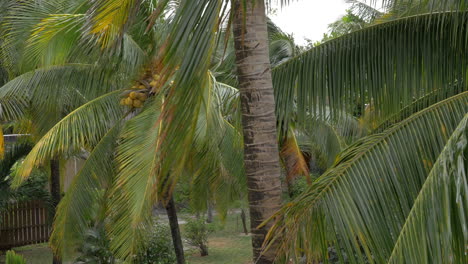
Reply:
x=95, y=247
x=13, y=258
x=158, y=247
x=196, y=232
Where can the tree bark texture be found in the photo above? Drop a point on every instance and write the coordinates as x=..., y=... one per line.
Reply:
x=261, y=157
x=175, y=231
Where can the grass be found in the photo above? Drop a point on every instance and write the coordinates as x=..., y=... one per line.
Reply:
x=34, y=254
x=227, y=245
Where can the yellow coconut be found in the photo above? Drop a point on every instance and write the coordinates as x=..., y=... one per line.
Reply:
x=133, y=95
x=137, y=103
x=142, y=97
x=129, y=101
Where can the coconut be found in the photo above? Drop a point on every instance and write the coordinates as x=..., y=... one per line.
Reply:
x=133, y=95
x=129, y=101
x=142, y=97
x=137, y=103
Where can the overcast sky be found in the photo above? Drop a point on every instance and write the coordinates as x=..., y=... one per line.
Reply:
x=309, y=18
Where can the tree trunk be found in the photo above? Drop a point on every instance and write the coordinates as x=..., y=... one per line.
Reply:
x=209, y=213
x=55, y=194
x=175, y=231
x=244, y=221
x=203, y=250
x=261, y=156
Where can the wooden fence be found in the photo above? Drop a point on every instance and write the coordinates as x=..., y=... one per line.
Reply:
x=24, y=223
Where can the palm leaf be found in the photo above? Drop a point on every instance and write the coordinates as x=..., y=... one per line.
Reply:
x=82, y=128
x=216, y=162
x=75, y=211
x=46, y=94
x=293, y=159
x=368, y=193
x=110, y=19
x=22, y=19
x=190, y=46
x=389, y=65
x=416, y=106
x=53, y=39
x=435, y=230
x=135, y=187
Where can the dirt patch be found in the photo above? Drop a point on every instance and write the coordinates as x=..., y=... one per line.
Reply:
x=219, y=242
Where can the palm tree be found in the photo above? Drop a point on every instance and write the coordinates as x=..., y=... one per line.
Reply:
x=397, y=195
x=261, y=156
x=331, y=76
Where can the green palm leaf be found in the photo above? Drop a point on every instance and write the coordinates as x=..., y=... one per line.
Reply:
x=389, y=65
x=110, y=19
x=135, y=188
x=216, y=161
x=75, y=209
x=367, y=195
x=416, y=106
x=436, y=228
x=47, y=94
x=82, y=128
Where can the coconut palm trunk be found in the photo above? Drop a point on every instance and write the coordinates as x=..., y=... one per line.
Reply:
x=261, y=156
x=175, y=231
x=55, y=194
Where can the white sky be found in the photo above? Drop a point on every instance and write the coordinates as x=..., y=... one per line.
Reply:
x=308, y=18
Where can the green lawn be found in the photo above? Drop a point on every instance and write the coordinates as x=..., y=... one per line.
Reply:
x=34, y=254
x=227, y=245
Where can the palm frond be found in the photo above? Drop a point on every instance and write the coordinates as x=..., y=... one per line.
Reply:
x=190, y=46
x=217, y=156
x=46, y=94
x=389, y=65
x=52, y=40
x=293, y=159
x=435, y=230
x=135, y=187
x=325, y=137
x=367, y=195
x=416, y=106
x=75, y=209
x=22, y=19
x=110, y=19
x=365, y=11
x=82, y=128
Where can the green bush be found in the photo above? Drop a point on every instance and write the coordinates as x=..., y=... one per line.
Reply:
x=95, y=248
x=13, y=258
x=197, y=232
x=158, y=248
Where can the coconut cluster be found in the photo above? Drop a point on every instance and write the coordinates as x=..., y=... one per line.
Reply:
x=134, y=99
x=139, y=92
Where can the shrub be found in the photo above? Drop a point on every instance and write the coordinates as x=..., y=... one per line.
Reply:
x=13, y=258
x=95, y=247
x=158, y=247
x=196, y=232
